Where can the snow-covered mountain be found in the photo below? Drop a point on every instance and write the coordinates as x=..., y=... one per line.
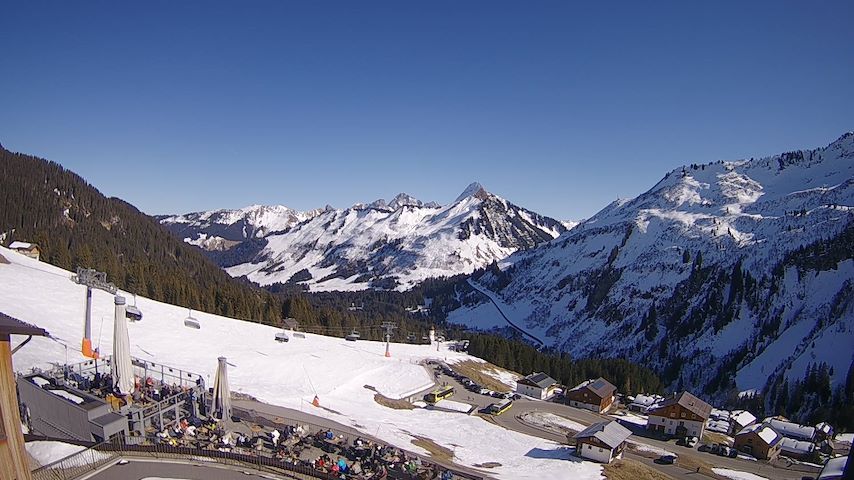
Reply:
x=721, y=276
x=381, y=244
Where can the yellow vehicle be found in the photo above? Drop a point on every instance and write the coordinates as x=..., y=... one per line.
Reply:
x=499, y=408
x=439, y=394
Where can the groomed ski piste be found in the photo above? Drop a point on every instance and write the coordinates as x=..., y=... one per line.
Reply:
x=288, y=375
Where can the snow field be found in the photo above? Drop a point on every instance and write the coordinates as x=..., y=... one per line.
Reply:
x=288, y=375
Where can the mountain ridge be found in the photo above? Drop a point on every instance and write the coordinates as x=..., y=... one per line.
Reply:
x=692, y=275
x=375, y=245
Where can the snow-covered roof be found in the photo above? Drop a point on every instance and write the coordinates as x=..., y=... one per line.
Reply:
x=22, y=245
x=766, y=433
x=792, y=430
x=609, y=433
x=824, y=427
x=646, y=400
x=742, y=417
x=790, y=445
x=833, y=469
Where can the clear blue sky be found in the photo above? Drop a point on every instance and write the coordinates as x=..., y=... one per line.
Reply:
x=560, y=107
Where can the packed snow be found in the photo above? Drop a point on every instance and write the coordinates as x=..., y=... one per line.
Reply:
x=551, y=422
x=288, y=375
x=47, y=452
x=737, y=475
x=454, y=405
x=67, y=395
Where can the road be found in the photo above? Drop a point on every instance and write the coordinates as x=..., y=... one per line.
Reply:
x=511, y=421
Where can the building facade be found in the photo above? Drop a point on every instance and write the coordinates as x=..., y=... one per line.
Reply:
x=760, y=441
x=537, y=385
x=602, y=442
x=681, y=415
x=595, y=395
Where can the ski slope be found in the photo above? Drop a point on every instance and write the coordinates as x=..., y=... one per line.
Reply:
x=287, y=374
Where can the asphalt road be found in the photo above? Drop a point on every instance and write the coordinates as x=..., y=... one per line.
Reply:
x=511, y=421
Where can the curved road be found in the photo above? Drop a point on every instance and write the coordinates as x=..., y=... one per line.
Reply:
x=511, y=421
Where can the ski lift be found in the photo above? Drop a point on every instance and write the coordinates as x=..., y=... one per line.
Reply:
x=191, y=321
x=353, y=336
x=132, y=312
x=282, y=336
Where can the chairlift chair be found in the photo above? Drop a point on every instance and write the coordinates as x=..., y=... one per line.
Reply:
x=132, y=312
x=353, y=336
x=191, y=321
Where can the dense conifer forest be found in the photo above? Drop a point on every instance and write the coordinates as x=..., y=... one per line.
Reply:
x=77, y=226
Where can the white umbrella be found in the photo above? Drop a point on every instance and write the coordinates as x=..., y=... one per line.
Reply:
x=121, y=366
x=221, y=402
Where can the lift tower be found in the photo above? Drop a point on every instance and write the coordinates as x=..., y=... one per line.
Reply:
x=91, y=279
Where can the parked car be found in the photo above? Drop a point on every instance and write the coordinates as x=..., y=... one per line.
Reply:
x=733, y=453
x=723, y=451
x=516, y=396
x=692, y=442
x=704, y=448
x=714, y=448
x=484, y=391
x=667, y=459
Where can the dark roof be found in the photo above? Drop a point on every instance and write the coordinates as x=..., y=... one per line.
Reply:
x=13, y=326
x=601, y=387
x=539, y=379
x=687, y=401
x=609, y=433
x=108, y=419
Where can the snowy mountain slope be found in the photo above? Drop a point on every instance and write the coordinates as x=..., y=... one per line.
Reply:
x=701, y=276
x=254, y=221
x=281, y=374
x=383, y=244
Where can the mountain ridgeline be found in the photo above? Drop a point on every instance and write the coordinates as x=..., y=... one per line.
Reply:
x=75, y=225
x=724, y=278
x=380, y=245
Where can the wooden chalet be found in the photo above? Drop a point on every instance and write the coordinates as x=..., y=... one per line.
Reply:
x=596, y=395
x=680, y=415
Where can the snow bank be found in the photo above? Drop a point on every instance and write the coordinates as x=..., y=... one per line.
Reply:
x=551, y=422
x=46, y=452
x=737, y=475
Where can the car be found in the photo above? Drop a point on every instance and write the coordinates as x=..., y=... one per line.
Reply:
x=515, y=396
x=484, y=391
x=714, y=448
x=733, y=453
x=704, y=448
x=682, y=441
x=667, y=459
x=497, y=395
x=723, y=451
x=692, y=442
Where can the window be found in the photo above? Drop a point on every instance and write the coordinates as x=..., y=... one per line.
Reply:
x=672, y=414
x=683, y=414
x=600, y=449
x=589, y=447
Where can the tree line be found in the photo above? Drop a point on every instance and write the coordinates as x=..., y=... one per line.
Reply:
x=77, y=226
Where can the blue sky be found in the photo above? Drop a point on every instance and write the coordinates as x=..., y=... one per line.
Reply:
x=559, y=107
